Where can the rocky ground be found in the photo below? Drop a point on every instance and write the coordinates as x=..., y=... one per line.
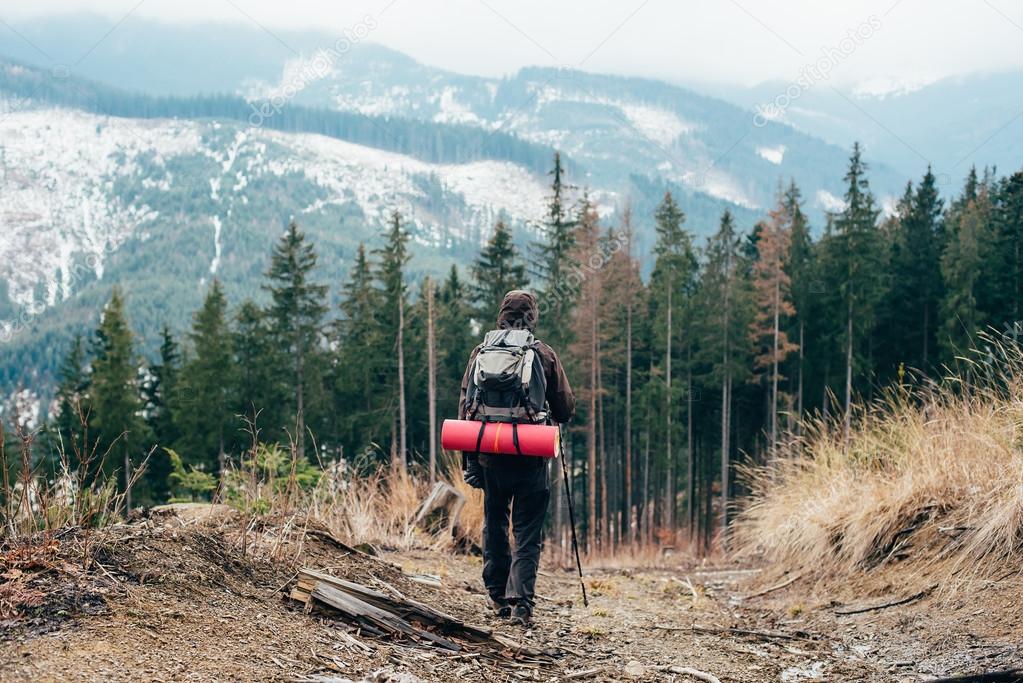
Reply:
x=201, y=600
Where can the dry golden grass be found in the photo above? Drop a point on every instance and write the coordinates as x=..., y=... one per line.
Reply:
x=377, y=508
x=935, y=476
x=471, y=519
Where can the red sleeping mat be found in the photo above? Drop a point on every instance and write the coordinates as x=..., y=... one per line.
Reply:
x=538, y=440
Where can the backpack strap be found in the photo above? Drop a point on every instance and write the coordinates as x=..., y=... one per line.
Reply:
x=527, y=368
x=515, y=437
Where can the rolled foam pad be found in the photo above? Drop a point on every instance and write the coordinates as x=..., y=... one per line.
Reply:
x=537, y=440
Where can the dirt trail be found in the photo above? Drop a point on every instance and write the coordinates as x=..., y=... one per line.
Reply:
x=186, y=604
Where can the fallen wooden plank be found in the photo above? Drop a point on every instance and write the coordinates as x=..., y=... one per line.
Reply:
x=360, y=610
x=398, y=603
x=885, y=605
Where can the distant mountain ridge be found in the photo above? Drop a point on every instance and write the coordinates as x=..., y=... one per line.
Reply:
x=164, y=181
x=952, y=123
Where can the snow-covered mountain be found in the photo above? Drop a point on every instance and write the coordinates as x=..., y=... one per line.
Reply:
x=75, y=187
x=158, y=193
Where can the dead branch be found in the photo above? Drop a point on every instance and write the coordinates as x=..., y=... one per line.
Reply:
x=686, y=671
x=766, y=635
x=885, y=605
x=777, y=587
x=586, y=673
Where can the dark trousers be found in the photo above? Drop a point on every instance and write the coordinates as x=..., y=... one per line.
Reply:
x=521, y=498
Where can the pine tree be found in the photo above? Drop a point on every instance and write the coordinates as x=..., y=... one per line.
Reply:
x=587, y=348
x=207, y=383
x=671, y=285
x=72, y=415
x=358, y=400
x=771, y=287
x=455, y=339
x=160, y=396
x=962, y=263
x=497, y=271
x=391, y=276
x=296, y=313
x=915, y=261
x=260, y=379
x=1006, y=263
x=856, y=262
x=553, y=262
x=724, y=319
x=801, y=268
x=114, y=395
x=620, y=308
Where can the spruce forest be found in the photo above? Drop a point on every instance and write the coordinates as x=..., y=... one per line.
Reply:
x=686, y=377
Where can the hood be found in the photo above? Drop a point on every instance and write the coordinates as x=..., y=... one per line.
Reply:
x=518, y=311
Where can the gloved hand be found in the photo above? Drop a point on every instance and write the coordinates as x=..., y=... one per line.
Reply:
x=473, y=472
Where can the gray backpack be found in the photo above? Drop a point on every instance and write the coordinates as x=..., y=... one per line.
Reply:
x=507, y=382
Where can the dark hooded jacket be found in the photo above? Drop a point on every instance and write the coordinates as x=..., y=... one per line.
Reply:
x=518, y=311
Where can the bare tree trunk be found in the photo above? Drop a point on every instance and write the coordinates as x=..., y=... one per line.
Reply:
x=299, y=398
x=591, y=440
x=669, y=485
x=799, y=390
x=127, y=483
x=628, y=421
x=400, y=462
x=221, y=452
x=648, y=531
x=690, y=460
x=927, y=324
x=602, y=452
x=725, y=404
x=774, y=376
x=848, y=372
x=431, y=396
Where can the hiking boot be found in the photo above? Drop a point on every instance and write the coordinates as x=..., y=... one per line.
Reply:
x=522, y=615
x=502, y=610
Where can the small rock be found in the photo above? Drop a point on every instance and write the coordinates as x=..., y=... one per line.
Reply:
x=635, y=670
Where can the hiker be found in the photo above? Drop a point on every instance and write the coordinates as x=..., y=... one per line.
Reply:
x=515, y=487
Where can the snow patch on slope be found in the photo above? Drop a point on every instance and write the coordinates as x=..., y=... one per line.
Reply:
x=829, y=202
x=453, y=111
x=63, y=174
x=773, y=154
x=378, y=177
x=217, y=227
x=883, y=87
x=58, y=214
x=657, y=124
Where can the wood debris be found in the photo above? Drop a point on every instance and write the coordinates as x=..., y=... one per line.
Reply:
x=389, y=614
x=687, y=671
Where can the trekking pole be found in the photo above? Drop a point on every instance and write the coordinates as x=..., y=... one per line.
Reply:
x=571, y=515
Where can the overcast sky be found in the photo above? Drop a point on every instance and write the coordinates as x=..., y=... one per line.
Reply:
x=736, y=41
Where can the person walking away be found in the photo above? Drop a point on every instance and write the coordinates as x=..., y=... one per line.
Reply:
x=512, y=377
